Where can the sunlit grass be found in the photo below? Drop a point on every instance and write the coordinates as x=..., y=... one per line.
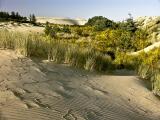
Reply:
x=36, y=45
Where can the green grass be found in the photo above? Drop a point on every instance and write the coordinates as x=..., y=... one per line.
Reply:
x=29, y=44
x=58, y=51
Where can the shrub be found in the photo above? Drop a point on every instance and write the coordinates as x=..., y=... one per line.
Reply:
x=100, y=23
x=66, y=29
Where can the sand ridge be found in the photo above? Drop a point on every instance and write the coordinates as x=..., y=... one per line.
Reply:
x=147, y=49
x=61, y=21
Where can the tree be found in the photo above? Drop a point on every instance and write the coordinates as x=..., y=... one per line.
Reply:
x=128, y=24
x=32, y=19
x=24, y=19
x=4, y=16
x=100, y=23
x=17, y=16
x=47, y=28
x=49, y=31
x=13, y=15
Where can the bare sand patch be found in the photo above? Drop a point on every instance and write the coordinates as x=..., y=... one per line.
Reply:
x=21, y=27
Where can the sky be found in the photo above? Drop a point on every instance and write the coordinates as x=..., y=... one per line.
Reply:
x=113, y=9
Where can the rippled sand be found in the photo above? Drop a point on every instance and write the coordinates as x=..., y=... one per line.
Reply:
x=38, y=90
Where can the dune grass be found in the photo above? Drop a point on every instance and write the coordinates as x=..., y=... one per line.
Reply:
x=58, y=51
x=28, y=44
x=149, y=68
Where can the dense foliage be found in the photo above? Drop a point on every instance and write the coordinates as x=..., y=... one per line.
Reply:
x=128, y=24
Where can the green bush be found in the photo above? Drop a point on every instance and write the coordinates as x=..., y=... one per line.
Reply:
x=100, y=23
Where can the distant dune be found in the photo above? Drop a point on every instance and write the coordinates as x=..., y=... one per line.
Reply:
x=65, y=21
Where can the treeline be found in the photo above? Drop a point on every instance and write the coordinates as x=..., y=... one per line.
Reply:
x=15, y=16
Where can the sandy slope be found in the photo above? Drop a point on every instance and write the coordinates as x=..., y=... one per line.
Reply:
x=34, y=90
x=147, y=49
x=23, y=27
x=62, y=21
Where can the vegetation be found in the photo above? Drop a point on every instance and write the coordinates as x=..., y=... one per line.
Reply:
x=149, y=69
x=100, y=45
x=32, y=19
x=100, y=23
x=57, y=51
x=15, y=16
x=128, y=24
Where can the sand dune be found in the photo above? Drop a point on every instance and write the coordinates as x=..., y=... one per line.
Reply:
x=38, y=90
x=63, y=21
x=147, y=49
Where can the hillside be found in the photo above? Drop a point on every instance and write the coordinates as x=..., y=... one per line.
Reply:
x=152, y=24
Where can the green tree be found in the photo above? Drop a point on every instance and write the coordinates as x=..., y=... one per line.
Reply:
x=32, y=19
x=128, y=24
x=49, y=31
x=4, y=16
x=100, y=23
x=24, y=19
x=47, y=28
x=13, y=15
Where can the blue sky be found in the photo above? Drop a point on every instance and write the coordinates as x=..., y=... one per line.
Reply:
x=113, y=9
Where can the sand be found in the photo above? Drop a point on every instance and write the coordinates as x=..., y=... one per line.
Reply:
x=62, y=21
x=21, y=27
x=32, y=89
x=147, y=49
